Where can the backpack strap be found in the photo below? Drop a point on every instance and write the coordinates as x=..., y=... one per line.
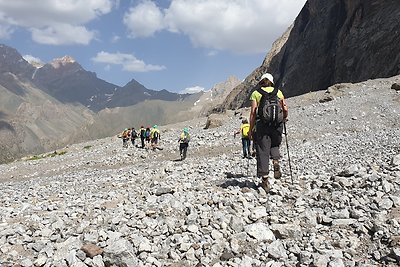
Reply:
x=263, y=93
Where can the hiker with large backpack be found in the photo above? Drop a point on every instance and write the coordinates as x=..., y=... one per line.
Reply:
x=268, y=114
x=154, y=137
x=133, y=136
x=183, y=140
x=125, y=137
x=147, y=136
x=245, y=132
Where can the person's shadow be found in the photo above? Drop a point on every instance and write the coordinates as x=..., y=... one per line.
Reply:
x=234, y=181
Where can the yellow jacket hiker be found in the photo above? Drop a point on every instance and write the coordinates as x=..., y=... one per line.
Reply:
x=245, y=132
x=183, y=140
x=268, y=134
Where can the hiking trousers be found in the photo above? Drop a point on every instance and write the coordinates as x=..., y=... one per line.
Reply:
x=142, y=141
x=183, y=149
x=246, y=147
x=268, y=140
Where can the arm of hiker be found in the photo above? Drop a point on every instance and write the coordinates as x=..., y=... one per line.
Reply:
x=253, y=112
x=285, y=109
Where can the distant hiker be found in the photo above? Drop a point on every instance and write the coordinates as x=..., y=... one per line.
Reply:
x=142, y=135
x=147, y=135
x=125, y=137
x=155, y=137
x=245, y=132
x=268, y=112
x=133, y=136
x=183, y=140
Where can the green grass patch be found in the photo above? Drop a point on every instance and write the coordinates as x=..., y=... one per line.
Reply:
x=50, y=155
x=87, y=147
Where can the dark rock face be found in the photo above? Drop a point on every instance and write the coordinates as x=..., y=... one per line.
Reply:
x=340, y=41
x=12, y=62
x=70, y=83
x=333, y=42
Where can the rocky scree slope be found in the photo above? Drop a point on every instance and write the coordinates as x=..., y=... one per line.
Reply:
x=102, y=205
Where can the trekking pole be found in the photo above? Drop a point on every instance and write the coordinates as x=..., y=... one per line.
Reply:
x=287, y=147
x=248, y=163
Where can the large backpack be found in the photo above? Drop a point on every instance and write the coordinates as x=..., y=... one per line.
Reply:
x=269, y=110
x=133, y=134
x=142, y=133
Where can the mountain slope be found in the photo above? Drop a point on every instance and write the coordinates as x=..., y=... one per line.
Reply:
x=33, y=122
x=101, y=204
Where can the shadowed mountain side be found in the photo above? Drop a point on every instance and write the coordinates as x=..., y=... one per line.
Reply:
x=331, y=42
x=68, y=82
x=6, y=126
x=34, y=122
x=8, y=81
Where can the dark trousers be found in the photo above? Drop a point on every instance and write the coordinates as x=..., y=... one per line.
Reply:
x=142, y=140
x=183, y=149
x=246, y=147
x=268, y=140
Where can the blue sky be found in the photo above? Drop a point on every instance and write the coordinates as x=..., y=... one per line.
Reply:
x=177, y=45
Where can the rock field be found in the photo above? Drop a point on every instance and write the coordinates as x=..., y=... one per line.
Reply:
x=100, y=204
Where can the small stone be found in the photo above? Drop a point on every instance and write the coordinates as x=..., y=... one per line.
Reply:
x=91, y=250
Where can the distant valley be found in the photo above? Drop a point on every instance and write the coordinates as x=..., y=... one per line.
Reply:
x=45, y=107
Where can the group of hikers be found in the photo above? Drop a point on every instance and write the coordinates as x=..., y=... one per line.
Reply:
x=150, y=137
x=268, y=114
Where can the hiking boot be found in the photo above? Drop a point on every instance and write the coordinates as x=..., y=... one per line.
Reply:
x=265, y=184
x=277, y=171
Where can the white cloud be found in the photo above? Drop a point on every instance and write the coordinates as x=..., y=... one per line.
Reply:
x=242, y=26
x=127, y=61
x=54, y=21
x=192, y=90
x=144, y=19
x=115, y=39
x=5, y=32
x=62, y=34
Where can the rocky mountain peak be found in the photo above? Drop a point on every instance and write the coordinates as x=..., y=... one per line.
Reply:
x=12, y=61
x=63, y=61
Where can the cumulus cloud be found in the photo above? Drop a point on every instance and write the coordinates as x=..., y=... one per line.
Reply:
x=144, y=19
x=62, y=34
x=5, y=32
x=127, y=61
x=54, y=21
x=192, y=90
x=236, y=25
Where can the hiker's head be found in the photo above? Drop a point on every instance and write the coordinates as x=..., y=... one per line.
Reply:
x=185, y=130
x=245, y=121
x=155, y=126
x=267, y=79
x=126, y=129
